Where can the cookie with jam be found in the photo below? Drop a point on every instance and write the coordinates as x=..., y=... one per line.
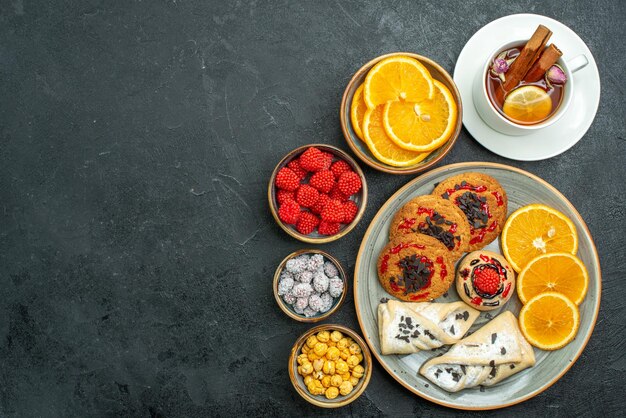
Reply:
x=436, y=217
x=485, y=280
x=483, y=201
x=415, y=268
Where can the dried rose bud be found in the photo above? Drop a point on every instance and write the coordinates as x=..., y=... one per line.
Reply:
x=499, y=66
x=556, y=75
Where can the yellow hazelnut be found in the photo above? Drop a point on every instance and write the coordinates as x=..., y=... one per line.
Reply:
x=354, y=381
x=336, y=380
x=360, y=357
x=305, y=349
x=326, y=381
x=336, y=336
x=345, y=354
x=315, y=387
x=320, y=349
x=332, y=392
x=317, y=375
x=329, y=367
x=312, y=356
x=302, y=358
x=352, y=361
x=341, y=367
x=345, y=388
x=358, y=371
x=342, y=343
x=307, y=379
x=354, y=348
x=323, y=336
x=311, y=341
x=331, y=343
x=345, y=376
x=332, y=353
x=318, y=364
x=306, y=368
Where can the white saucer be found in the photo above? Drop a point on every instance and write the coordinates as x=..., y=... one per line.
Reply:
x=556, y=138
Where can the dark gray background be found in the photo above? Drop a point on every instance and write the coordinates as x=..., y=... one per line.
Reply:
x=136, y=245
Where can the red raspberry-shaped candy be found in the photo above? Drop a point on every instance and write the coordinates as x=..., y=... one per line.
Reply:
x=323, y=181
x=321, y=202
x=486, y=280
x=282, y=195
x=289, y=212
x=336, y=194
x=333, y=211
x=340, y=167
x=349, y=211
x=307, y=223
x=307, y=196
x=328, y=228
x=314, y=160
x=286, y=179
x=329, y=159
x=349, y=183
x=294, y=165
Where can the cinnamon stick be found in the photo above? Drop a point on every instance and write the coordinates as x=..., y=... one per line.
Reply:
x=527, y=57
x=548, y=58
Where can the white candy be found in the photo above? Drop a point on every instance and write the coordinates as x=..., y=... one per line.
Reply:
x=327, y=300
x=330, y=269
x=300, y=304
x=308, y=312
x=335, y=287
x=295, y=265
x=304, y=276
x=315, y=262
x=320, y=282
x=284, y=285
x=315, y=302
x=289, y=298
x=302, y=290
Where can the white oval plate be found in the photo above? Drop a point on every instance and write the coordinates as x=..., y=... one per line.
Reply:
x=548, y=142
x=522, y=189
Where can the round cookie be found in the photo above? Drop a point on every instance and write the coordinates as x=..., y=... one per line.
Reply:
x=436, y=217
x=415, y=267
x=483, y=201
x=485, y=280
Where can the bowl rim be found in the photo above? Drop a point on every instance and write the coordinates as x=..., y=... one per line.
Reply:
x=367, y=359
x=419, y=167
x=324, y=239
x=281, y=302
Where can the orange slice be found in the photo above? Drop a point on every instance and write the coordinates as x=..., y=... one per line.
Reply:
x=534, y=230
x=527, y=104
x=554, y=272
x=422, y=126
x=395, y=78
x=357, y=111
x=383, y=148
x=549, y=321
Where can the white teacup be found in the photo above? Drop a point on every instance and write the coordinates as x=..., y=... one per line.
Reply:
x=492, y=117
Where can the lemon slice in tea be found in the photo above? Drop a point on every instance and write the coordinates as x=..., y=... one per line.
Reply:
x=527, y=104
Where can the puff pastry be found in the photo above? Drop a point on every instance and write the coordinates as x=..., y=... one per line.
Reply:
x=491, y=354
x=406, y=327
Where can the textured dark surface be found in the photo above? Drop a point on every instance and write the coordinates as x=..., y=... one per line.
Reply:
x=136, y=246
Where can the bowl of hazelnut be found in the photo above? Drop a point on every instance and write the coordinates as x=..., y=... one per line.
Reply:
x=330, y=366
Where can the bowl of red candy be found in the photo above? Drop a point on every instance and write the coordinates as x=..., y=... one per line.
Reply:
x=317, y=193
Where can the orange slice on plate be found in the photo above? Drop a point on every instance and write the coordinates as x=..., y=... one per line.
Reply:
x=357, y=111
x=422, y=126
x=535, y=230
x=549, y=321
x=383, y=148
x=395, y=78
x=554, y=272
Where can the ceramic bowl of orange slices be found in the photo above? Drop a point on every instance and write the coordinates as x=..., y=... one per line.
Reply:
x=401, y=113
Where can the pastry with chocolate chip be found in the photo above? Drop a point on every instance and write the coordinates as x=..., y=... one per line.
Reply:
x=483, y=201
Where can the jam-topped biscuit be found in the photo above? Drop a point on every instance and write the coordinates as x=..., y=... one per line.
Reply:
x=483, y=201
x=485, y=280
x=436, y=217
x=415, y=268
